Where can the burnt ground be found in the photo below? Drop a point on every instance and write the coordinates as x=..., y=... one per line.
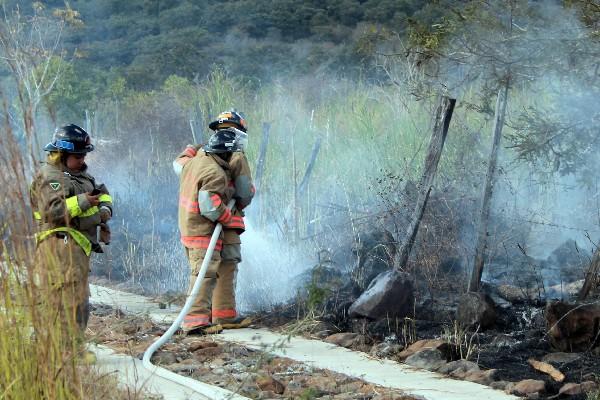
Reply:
x=519, y=334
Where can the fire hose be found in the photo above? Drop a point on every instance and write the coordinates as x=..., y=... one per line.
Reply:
x=200, y=388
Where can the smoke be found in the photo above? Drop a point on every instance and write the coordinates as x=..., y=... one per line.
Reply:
x=268, y=274
x=373, y=139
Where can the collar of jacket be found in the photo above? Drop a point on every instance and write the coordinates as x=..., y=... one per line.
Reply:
x=56, y=162
x=224, y=164
x=76, y=173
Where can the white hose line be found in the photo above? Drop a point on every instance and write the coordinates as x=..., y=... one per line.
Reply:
x=175, y=325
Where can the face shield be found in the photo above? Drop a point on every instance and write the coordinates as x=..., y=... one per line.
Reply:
x=241, y=139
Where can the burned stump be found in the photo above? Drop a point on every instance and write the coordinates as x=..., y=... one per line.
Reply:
x=572, y=327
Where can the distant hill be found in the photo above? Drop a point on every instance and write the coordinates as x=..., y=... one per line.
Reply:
x=148, y=40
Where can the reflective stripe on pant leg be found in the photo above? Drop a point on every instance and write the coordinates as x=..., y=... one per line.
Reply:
x=199, y=313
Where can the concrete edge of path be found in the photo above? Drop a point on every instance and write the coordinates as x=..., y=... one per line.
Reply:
x=131, y=373
x=386, y=373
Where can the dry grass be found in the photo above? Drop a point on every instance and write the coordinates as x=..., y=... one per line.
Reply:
x=40, y=354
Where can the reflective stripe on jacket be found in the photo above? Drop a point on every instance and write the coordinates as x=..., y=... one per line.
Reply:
x=202, y=198
x=59, y=203
x=241, y=178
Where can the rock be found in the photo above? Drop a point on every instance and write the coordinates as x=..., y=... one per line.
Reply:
x=575, y=389
x=564, y=290
x=207, y=353
x=482, y=377
x=390, y=294
x=293, y=389
x=499, y=385
x=197, y=345
x=164, y=358
x=429, y=359
x=517, y=295
x=183, y=367
x=323, y=384
x=476, y=309
x=437, y=344
x=527, y=387
x=572, y=327
x=459, y=366
x=267, y=395
x=241, y=376
x=385, y=350
x=324, y=329
x=217, y=362
x=268, y=383
x=351, y=387
x=344, y=339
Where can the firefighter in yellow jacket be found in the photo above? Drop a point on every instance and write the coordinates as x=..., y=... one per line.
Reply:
x=69, y=207
x=203, y=195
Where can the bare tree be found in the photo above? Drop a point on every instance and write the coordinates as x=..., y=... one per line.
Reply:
x=31, y=48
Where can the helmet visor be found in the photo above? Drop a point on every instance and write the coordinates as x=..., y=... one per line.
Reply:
x=241, y=139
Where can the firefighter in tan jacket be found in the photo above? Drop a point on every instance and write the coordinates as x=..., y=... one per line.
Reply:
x=69, y=207
x=204, y=192
x=224, y=306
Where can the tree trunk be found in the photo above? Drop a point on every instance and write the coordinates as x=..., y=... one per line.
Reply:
x=434, y=152
x=590, y=276
x=482, y=231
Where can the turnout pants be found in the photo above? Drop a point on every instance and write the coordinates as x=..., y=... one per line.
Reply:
x=215, y=302
x=62, y=269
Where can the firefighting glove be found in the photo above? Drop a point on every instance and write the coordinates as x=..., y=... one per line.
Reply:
x=104, y=233
x=105, y=214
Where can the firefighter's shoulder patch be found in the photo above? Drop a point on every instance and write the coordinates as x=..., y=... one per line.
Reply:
x=55, y=185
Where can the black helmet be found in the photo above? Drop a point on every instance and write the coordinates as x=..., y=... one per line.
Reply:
x=224, y=141
x=229, y=119
x=70, y=139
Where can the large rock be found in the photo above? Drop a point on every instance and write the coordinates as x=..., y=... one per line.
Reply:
x=390, y=294
x=459, y=367
x=573, y=327
x=385, y=350
x=482, y=377
x=561, y=358
x=436, y=344
x=429, y=359
x=476, y=309
x=345, y=339
x=575, y=389
x=526, y=387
